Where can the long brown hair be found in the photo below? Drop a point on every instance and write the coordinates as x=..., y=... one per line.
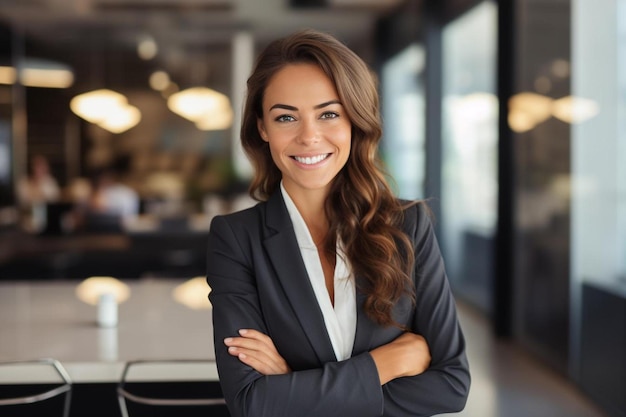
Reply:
x=361, y=208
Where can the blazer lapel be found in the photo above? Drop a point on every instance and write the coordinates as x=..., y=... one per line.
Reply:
x=284, y=253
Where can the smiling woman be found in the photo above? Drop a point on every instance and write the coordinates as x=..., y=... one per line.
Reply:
x=330, y=296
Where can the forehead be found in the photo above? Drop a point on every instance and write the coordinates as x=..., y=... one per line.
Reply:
x=303, y=82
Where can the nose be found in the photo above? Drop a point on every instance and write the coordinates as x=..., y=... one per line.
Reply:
x=309, y=132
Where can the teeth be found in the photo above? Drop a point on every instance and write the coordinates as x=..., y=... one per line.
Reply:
x=311, y=160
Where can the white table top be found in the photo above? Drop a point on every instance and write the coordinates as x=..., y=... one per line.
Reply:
x=46, y=320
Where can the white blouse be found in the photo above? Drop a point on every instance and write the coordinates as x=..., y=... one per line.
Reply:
x=340, y=320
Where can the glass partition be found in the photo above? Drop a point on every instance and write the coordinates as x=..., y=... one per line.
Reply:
x=403, y=109
x=469, y=152
x=599, y=145
x=598, y=201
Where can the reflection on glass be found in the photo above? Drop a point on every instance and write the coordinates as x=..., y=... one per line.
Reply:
x=599, y=146
x=469, y=151
x=527, y=110
x=571, y=109
x=597, y=276
x=403, y=114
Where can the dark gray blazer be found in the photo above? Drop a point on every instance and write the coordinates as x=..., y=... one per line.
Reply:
x=259, y=281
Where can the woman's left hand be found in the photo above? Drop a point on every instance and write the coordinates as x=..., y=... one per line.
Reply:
x=257, y=350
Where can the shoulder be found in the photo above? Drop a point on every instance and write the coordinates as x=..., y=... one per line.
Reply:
x=417, y=218
x=240, y=232
x=240, y=221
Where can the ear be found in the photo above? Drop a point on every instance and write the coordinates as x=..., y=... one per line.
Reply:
x=261, y=127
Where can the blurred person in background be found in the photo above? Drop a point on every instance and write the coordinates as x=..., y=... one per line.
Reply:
x=111, y=205
x=39, y=186
x=34, y=192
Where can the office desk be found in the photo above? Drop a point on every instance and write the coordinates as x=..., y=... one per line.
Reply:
x=46, y=319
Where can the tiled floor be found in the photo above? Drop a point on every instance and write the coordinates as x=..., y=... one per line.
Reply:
x=506, y=382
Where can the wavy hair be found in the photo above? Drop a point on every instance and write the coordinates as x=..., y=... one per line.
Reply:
x=361, y=208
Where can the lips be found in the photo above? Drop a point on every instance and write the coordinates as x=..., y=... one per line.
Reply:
x=311, y=160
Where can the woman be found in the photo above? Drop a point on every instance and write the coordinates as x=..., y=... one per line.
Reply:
x=330, y=296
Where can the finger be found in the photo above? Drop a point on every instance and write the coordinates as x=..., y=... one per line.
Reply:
x=260, y=362
x=269, y=360
x=258, y=365
x=256, y=335
x=262, y=355
x=257, y=350
x=246, y=343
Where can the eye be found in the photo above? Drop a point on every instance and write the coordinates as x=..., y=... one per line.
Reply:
x=329, y=115
x=285, y=118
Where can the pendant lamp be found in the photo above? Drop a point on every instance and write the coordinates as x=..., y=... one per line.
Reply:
x=209, y=109
x=107, y=109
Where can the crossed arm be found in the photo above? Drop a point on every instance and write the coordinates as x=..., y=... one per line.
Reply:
x=407, y=355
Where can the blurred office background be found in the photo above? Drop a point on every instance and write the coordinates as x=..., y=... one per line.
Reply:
x=508, y=116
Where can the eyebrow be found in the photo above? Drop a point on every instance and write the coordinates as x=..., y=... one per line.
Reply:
x=292, y=108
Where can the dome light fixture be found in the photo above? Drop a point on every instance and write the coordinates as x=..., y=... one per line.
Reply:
x=36, y=72
x=106, y=108
x=209, y=109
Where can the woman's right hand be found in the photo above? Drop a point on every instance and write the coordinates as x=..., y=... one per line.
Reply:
x=407, y=355
x=257, y=350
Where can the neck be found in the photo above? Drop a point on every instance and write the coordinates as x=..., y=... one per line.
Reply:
x=310, y=204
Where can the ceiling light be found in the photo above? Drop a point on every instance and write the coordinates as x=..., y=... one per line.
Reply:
x=573, y=109
x=560, y=68
x=147, y=48
x=216, y=121
x=95, y=105
x=46, y=78
x=8, y=75
x=199, y=103
x=106, y=108
x=159, y=80
x=121, y=119
x=520, y=122
x=527, y=110
x=38, y=73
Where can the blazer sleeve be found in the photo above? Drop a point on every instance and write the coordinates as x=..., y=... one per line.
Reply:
x=347, y=388
x=444, y=386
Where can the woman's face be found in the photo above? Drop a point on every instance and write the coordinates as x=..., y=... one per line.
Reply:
x=307, y=128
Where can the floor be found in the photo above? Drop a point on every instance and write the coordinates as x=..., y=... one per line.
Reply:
x=506, y=382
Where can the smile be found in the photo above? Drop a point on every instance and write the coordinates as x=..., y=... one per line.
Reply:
x=311, y=160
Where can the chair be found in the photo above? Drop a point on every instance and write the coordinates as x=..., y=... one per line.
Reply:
x=163, y=376
x=65, y=388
